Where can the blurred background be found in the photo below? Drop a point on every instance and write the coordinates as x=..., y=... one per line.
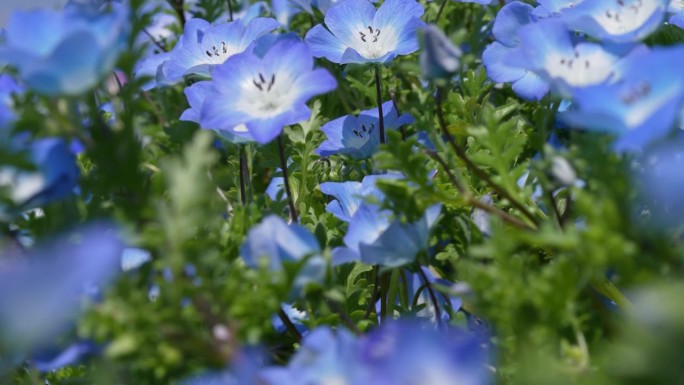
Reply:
x=6, y=7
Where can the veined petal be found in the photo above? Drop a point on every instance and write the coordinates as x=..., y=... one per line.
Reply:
x=393, y=15
x=325, y=44
x=265, y=130
x=347, y=18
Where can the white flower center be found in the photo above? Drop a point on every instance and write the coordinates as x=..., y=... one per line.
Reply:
x=265, y=96
x=626, y=15
x=580, y=70
x=219, y=54
x=373, y=43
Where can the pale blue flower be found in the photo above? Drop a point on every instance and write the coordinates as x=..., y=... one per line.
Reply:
x=358, y=136
x=548, y=49
x=265, y=94
x=66, y=52
x=204, y=46
x=374, y=236
x=277, y=243
x=357, y=33
x=640, y=105
x=616, y=21
x=509, y=20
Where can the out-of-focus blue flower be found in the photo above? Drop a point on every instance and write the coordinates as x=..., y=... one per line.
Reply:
x=374, y=236
x=358, y=136
x=196, y=95
x=265, y=94
x=43, y=290
x=406, y=352
x=439, y=58
x=321, y=5
x=548, y=8
x=66, y=52
x=397, y=353
x=617, y=21
x=548, y=49
x=483, y=2
x=8, y=87
x=55, y=177
x=277, y=243
x=640, y=105
x=509, y=20
x=203, y=46
x=357, y=33
x=325, y=357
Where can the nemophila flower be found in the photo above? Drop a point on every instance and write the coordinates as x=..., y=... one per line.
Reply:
x=525, y=83
x=54, y=178
x=548, y=49
x=277, y=243
x=374, y=236
x=267, y=93
x=406, y=352
x=204, y=46
x=66, y=52
x=358, y=136
x=325, y=357
x=357, y=33
x=196, y=95
x=48, y=361
x=641, y=105
x=42, y=290
x=617, y=21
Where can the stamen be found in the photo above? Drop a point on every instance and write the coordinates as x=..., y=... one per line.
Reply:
x=262, y=78
x=258, y=85
x=270, y=84
x=225, y=49
x=209, y=53
x=370, y=29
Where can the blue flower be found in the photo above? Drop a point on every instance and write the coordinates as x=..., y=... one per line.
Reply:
x=43, y=289
x=374, y=236
x=617, y=21
x=267, y=93
x=55, y=177
x=196, y=95
x=46, y=361
x=321, y=5
x=439, y=59
x=278, y=243
x=325, y=357
x=356, y=33
x=525, y=83
x=64, y=53
x=660, y=183
x=641, y=105
x=203, y=47
x=359, y=136
x=547, y=48
x=406, y=352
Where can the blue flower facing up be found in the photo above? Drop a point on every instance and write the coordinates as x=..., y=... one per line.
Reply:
x=641, y=105
x=357, y=33
x=277, y=243
x=617, y=21
x=548, y=49
x=265, y=94
x=43, y=290
x=510, y=18
x=66, y=52
x=358, y=136
x=203, y=46
x=374, y=236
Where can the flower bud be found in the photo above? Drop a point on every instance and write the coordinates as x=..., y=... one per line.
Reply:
x=439, y=58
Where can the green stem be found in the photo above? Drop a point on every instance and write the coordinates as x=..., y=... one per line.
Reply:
x=286, y=180
x=378, y=96
x=607, y=289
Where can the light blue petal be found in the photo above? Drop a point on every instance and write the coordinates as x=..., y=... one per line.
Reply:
x=346, y=18
x=324, y=44
x=493, y=60
x=366, y=226
x=348, y=198
x=530, y=87
x=509, y=19
x=395, y=15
